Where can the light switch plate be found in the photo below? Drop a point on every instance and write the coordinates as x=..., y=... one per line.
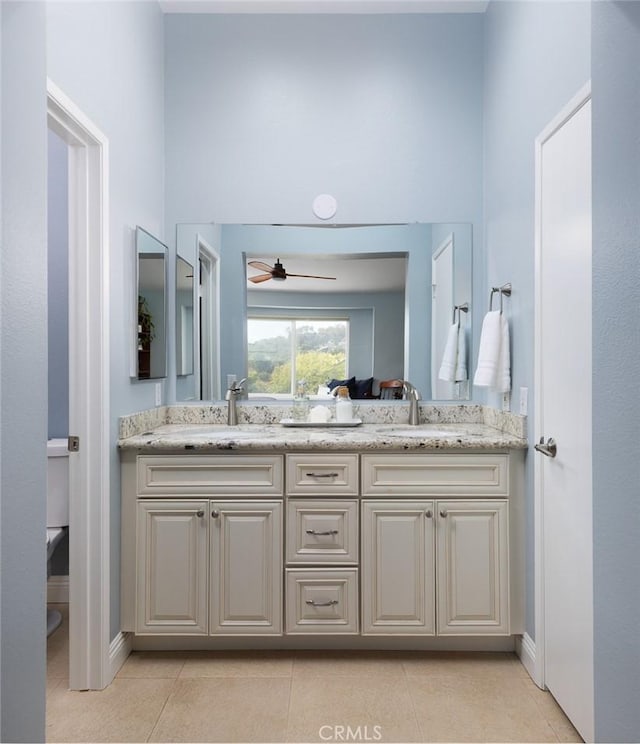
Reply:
x=524, y=400
x=158, y=393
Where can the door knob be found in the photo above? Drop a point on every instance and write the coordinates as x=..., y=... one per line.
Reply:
x=549, y=449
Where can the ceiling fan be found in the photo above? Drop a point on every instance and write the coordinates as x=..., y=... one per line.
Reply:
x=277, y=271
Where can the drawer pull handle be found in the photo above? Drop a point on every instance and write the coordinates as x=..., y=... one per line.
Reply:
x=215, y=513
x=321, y=475
x=200, y=513
x=327, y=532
x=329, y=603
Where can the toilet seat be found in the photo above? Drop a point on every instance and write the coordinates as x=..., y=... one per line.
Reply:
x=54, y=535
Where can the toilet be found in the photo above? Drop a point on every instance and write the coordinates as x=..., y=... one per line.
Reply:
x=57, y=508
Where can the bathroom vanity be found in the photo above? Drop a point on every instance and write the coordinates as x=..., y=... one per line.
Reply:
x=321, y=537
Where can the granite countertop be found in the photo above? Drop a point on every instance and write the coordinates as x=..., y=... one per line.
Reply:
x=275, y=437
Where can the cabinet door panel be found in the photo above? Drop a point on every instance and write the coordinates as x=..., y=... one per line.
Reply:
x=473, y=568
x=172, y=567
x=246, y=568
x=397, y=568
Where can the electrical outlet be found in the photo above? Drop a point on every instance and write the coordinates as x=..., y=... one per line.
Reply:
x=506, y=401
x=158, y=393
x=524, y=400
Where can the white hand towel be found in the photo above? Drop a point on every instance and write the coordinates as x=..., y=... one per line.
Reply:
x=494, y=362
x=450, y=356
x=461, y=362
x=503, y=373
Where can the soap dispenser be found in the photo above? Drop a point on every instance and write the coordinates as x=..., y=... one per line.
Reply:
x=344, y=406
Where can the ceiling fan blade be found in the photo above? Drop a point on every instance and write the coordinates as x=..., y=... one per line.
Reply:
x=260, y=265
x=260, y=278
x=311, y=276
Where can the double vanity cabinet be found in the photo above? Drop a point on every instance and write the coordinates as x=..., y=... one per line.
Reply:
x=322, y=543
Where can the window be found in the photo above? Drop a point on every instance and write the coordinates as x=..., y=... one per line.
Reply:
x=284, y=351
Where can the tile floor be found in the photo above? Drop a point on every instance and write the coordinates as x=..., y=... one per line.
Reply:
x=304, y=697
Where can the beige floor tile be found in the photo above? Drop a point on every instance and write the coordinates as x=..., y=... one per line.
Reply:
x=322, y=708
x=347, y=664
x=153, y=664
x=237, y=664
x=225, y=710
x=126, y=711
x=464, y=709
x=555, y=716
x=477, y=665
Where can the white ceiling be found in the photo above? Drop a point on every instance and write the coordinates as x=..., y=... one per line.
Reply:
x=352, y=274
x=324, y=6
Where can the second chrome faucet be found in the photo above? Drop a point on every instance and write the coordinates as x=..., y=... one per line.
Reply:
x=231, y=396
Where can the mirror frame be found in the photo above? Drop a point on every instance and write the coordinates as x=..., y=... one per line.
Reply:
x=184, y=335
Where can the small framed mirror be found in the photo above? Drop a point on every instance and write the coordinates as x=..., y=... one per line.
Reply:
x=184, y=317
x=151, y=335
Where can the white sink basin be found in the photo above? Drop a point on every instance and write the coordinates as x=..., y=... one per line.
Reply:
x=223, y=432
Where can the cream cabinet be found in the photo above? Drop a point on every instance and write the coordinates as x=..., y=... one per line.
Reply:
x=246, y=568
x=473, y=567
x=172, y=568
x=398, y=568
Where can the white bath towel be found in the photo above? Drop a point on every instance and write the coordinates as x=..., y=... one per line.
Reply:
x=450, y=356
x=461, y=361
x=494, y=361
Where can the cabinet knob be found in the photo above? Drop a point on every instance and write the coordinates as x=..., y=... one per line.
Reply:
x=200, y=513
x=443, y=512
x=428, y=514
x=215, y=513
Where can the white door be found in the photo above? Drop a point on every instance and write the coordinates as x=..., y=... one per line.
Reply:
x=441, y=314
x=246, y=567
x=473, y=567
x=563, y=368
x=398, y=567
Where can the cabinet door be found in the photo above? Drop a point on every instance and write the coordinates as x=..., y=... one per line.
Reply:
x=473, y=567
x=246, y=567
x=397, y=567
x=172, y=544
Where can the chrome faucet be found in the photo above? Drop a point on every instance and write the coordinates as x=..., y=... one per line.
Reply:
x=231, y=397
x=413, y=396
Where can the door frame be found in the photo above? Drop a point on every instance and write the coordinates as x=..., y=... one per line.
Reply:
x=537, y=667
x=90, y=665
x=442, y=247
x=209, y=292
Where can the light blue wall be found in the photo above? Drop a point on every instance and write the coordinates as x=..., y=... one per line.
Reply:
x=537, y=56
x=108, y=58
x=263, y=113
x=616, y=361
x=23, y=378
x=58, y=285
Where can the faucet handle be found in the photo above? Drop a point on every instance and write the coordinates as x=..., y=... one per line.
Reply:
x=236, y=387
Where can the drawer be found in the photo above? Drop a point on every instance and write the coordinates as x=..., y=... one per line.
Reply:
x=257, y=475
x=322, y=531
x=322, y=600
x=426, y=474
x=322, y=475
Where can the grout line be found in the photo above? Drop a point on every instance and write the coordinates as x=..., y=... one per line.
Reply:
x=164, y=705
x=421, y=733
x=286, y=731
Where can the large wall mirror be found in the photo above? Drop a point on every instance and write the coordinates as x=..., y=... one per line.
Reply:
x=374, y=320
x=150, y=336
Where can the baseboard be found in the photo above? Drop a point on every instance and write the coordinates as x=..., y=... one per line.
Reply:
x=58, y=590
x=119, y=649
x=526, y=650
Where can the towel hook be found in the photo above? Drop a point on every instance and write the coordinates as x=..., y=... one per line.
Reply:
x=505, y=289
x=465, y=309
